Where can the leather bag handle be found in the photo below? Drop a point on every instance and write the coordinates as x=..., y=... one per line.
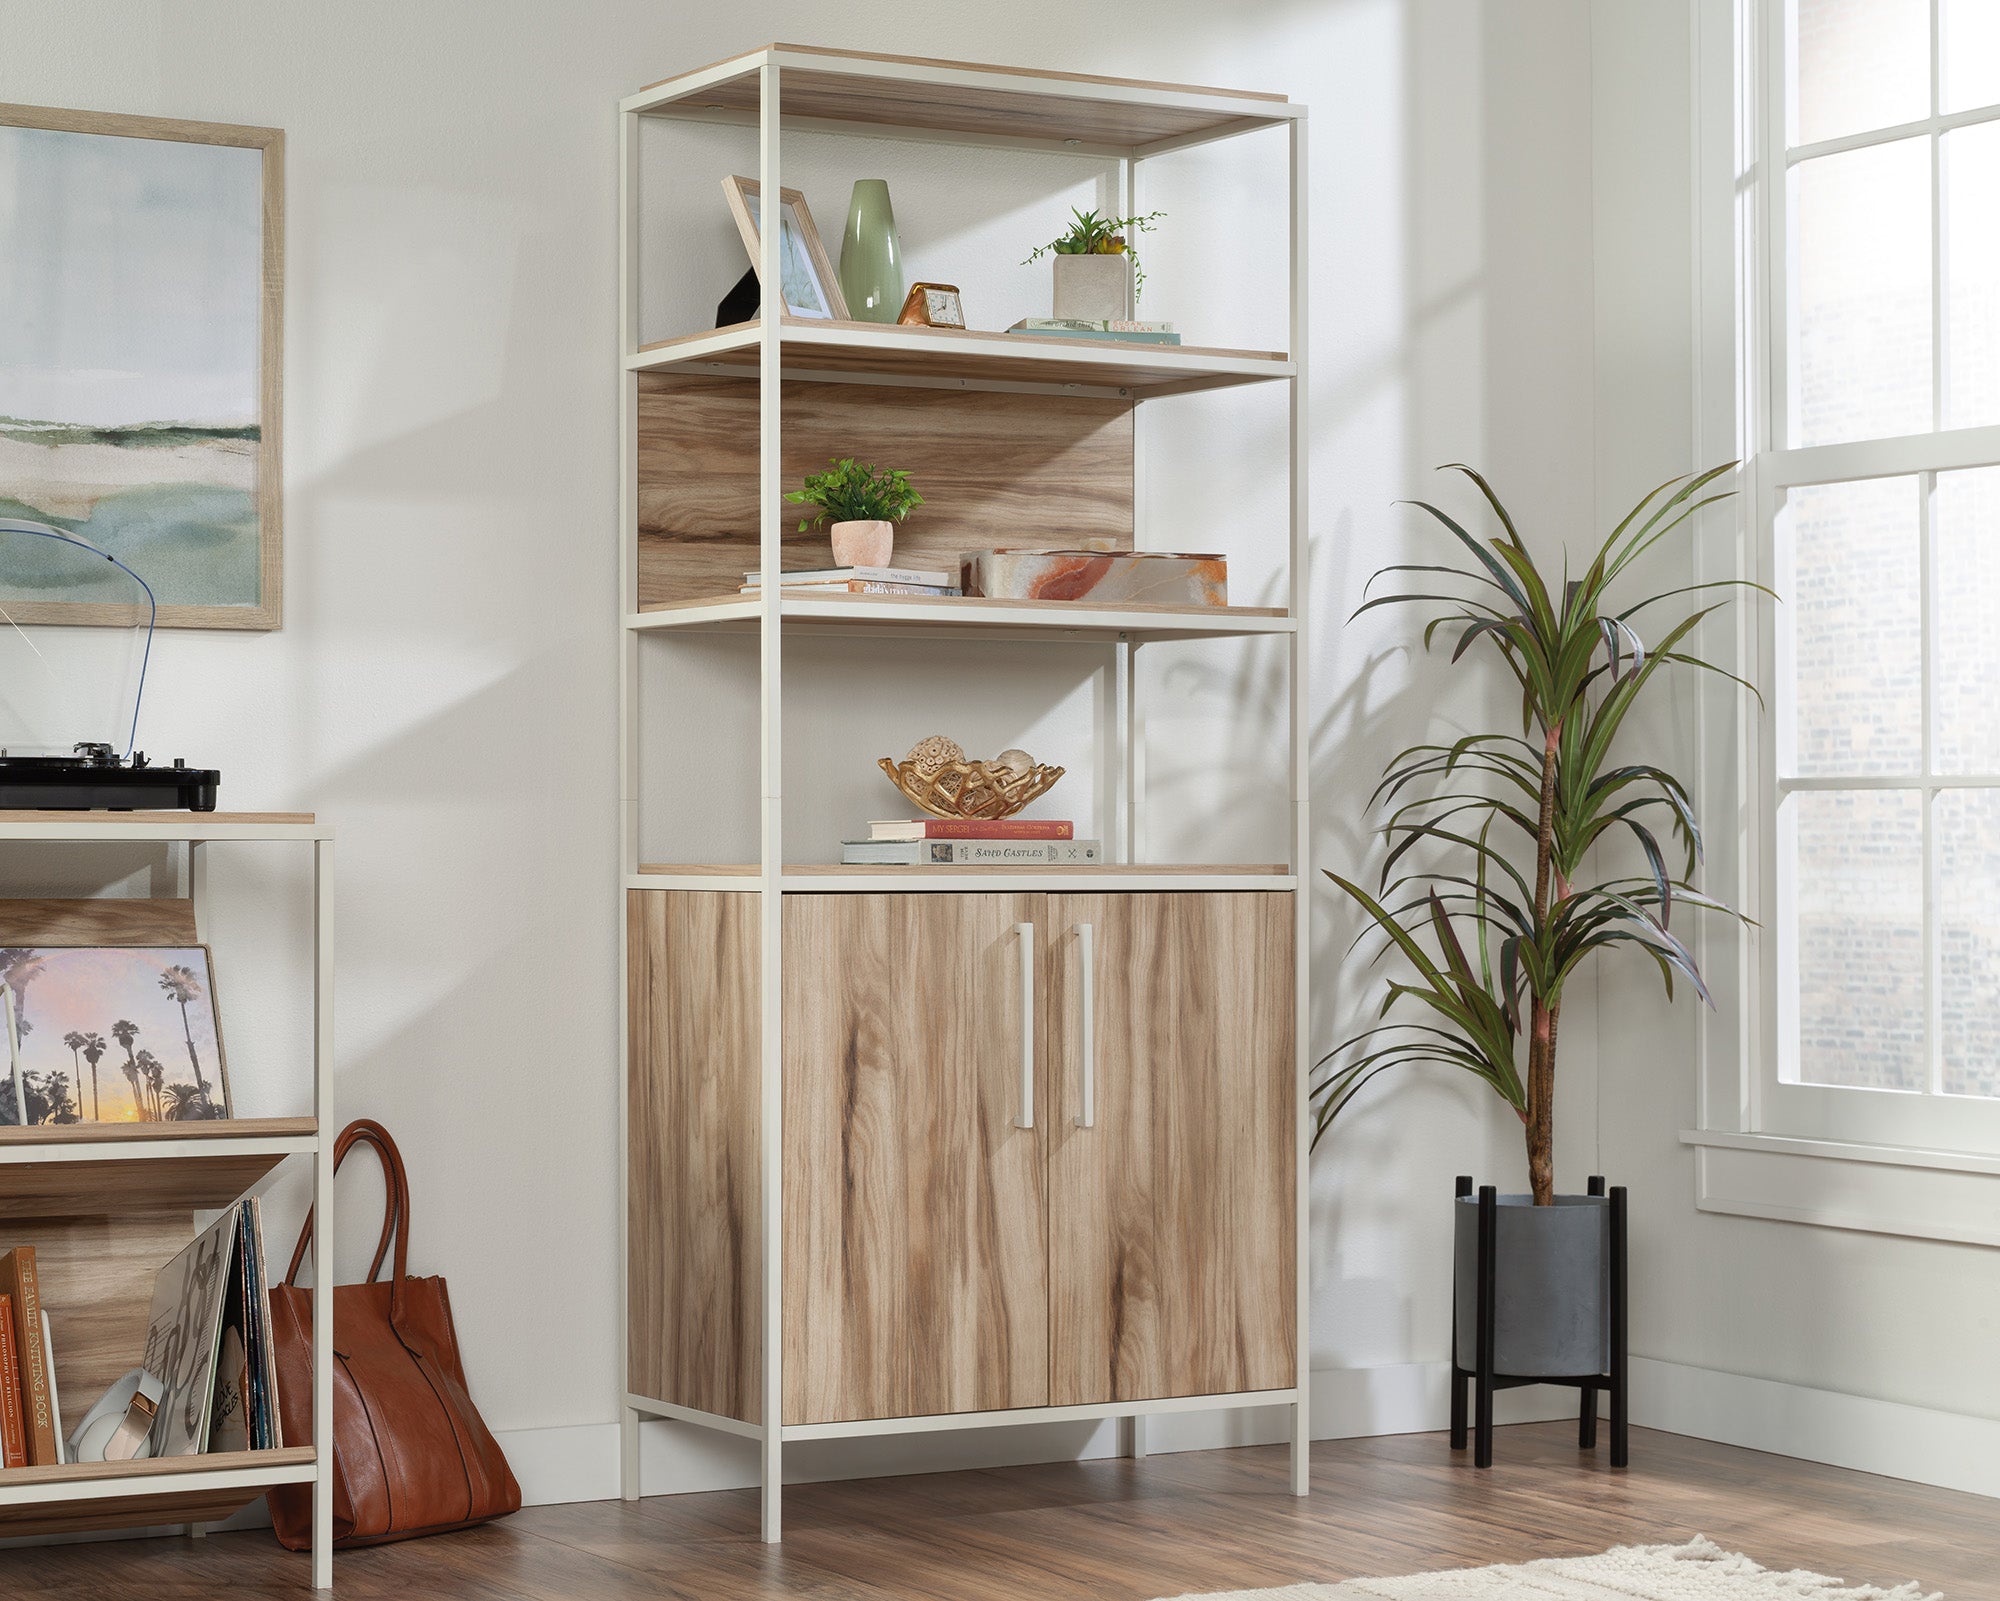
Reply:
x=396, y=1210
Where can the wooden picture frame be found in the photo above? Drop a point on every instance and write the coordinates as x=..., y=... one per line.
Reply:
x=811, y=265
x=208, y=583
x=75, y=993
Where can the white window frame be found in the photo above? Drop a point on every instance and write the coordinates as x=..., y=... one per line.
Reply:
x=1764, y=1141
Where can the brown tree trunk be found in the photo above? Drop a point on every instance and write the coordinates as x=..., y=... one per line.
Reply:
x=1542, y=1015
x=1541, y=1119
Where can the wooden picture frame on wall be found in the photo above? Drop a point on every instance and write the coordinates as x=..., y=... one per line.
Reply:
x=142, y=407
x=812, y=287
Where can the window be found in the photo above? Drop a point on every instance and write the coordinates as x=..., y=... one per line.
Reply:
x=1875, y=490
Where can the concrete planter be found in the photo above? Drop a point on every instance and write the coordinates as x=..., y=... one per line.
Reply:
x=1093, y=288
x=1552, y=1286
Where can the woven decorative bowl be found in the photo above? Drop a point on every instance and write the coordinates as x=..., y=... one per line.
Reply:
x=970, y=789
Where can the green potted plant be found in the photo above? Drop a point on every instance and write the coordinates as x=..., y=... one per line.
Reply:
x=1097, y=272
x=1512, y=861
x=863, y=503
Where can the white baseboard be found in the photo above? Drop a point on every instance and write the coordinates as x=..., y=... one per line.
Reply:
x=1948, y=1449
x=580, y=1463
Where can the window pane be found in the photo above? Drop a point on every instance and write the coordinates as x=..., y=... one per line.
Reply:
x=1860, y=64
x=1972, y=273
x=1861, y=294
x=1968, y=845
x=1852, y=612
x=1965, y=542
x=1857, y=891
x=1970, y=55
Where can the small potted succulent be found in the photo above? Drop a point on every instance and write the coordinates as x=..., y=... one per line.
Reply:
x=1097, y=272
x=864, y=503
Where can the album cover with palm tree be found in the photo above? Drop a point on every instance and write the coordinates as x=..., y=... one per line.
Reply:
x=109, y=1034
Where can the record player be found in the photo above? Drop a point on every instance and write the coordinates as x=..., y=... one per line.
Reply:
x=97, y=778
x=94, y=776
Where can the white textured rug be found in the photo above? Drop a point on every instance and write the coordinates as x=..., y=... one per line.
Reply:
x=1697, y=1571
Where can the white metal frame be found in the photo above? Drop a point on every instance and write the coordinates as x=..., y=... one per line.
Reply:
x=197, y=832
x=1768, y=1094
x=784, y=351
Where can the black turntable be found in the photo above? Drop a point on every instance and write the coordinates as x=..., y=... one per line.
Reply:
x=97, y=778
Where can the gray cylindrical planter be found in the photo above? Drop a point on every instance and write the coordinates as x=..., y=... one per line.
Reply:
x=1552, y=1286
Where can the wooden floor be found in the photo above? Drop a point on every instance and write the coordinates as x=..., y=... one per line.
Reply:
x=1117, y=1531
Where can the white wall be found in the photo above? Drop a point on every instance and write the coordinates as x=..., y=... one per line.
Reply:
x=443, y=687
x=1881, y=1318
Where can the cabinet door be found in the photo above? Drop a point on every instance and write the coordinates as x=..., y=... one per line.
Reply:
x=1172, y=1252
x=916, y=1269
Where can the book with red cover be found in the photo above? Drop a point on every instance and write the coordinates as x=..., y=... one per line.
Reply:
x=13, y=1436
x=21, y=1284
x=974, y=828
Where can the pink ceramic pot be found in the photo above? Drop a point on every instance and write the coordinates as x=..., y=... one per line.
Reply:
x=863, y=544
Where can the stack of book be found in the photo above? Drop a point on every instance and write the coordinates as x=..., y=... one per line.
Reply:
x=971, y=842
x=857, y=581
x=1124, y=330
x=30, y=1416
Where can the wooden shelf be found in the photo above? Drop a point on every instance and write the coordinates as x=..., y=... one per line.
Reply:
x=911, y=614
x=87, y=1496
x=807, y=878
x=849, y=90
x=105, y=826
x=103, y=1169
x=967, y=359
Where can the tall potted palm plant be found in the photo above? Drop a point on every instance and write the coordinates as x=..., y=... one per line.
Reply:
x=1512, y=861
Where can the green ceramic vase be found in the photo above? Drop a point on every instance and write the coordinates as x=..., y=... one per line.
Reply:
x=871, y=256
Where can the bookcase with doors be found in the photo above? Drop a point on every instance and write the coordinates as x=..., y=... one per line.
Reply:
x=928, y=1148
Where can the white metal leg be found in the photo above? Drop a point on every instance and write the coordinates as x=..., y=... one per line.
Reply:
x=323, y=1273
x=1133, y=1443
x=771, y=900
x=1301, y=784
x=628, y=1454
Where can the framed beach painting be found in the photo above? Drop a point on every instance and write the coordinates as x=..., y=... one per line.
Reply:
x=109, y=1034
x=142, y=276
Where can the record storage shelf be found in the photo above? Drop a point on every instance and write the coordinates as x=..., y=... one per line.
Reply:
x=59, y=1184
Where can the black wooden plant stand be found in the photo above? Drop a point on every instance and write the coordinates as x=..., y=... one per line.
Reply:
x=1483, y=1381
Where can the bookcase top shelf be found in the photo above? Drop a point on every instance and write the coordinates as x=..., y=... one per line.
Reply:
x=1056, y=620
x=856, y=91
x=966, y=358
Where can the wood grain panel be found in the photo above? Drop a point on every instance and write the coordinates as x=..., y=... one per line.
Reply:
x=915, y=1240
x=97, y=1283
x=1171, y=1251
x=121, y=920
x=1001, y=108
x=67, y=1186
x=990, y=467
x=694, y=1303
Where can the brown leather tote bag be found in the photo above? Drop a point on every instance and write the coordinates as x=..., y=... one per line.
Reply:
x=411, y=1454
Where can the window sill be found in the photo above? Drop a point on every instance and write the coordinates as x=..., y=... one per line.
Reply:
x=1873, y=1189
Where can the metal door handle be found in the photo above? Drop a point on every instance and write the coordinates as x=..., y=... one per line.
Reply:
x=1086, y=938
x=1025, y=933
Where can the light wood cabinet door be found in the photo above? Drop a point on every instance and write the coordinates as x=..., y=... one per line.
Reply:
x=1172, y=1252
x=916, y=1267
